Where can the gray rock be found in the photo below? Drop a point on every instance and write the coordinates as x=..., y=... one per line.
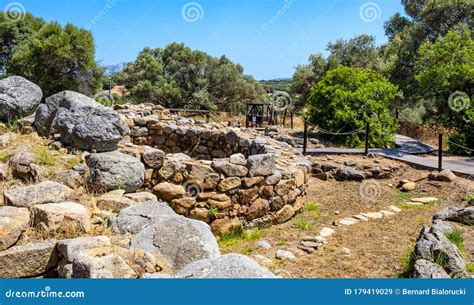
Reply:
x=18, y=98
x=137, y=217
x=23, y=163
x=81, y=122
x=274, y=179
x=461, y=215
x=229, y=169
x=57, y=215
x=29, y=260
x=238, y=159
x=115, y=170
x=425, y=269
x=70, y=248
x=433, y=245
x=177, y=241
x=348, y=173
x=41, y=193
x=285, y=255
x=153, y=157
x=261, y=165
x=141, y=197
x=109, y=266
x=226, y=266
x=13, y=222
x=263, y=244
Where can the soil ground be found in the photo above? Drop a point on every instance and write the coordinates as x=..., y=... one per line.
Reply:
x=378, y=248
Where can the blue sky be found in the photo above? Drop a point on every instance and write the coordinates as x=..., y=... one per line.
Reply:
x=267, y=37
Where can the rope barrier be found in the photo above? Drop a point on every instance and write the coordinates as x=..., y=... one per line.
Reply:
x=348, y=133
x=459, y=145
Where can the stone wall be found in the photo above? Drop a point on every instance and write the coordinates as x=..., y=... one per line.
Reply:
x=228, y=177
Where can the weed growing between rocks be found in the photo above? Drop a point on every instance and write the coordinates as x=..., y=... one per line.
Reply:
x=456, y=238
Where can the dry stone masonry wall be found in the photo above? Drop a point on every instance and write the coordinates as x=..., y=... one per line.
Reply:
x=228, y=177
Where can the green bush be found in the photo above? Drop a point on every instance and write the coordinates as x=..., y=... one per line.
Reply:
x=347, y=98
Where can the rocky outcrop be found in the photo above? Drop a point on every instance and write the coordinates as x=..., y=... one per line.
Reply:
x=80, y=122
x=18, y=98
x=226, y=266
x=461, y=215
x=178, y=241
x=115, y=170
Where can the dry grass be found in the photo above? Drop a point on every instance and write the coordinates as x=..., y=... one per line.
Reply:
x=378, y=247
x=427, y=134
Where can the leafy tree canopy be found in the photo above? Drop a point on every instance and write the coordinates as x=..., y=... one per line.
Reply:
x=347, y=98
x=177, y=76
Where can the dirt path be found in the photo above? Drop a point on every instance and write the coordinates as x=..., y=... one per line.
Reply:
x=377, y=247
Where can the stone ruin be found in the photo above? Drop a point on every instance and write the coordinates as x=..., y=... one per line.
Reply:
x=153, y=180
x=228, y=177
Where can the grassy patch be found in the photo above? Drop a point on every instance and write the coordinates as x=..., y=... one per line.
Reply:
x=13, y=125
x=312, y=208
x=4, y=155
x=470, y=267
x=235, y=237
x=213, y=210
x=408, y=265
x=73, y=161
x=302, y=223
x=44, y=156
x=403, y=197
x=456, y=238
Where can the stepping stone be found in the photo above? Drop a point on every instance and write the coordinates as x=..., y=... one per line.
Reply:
x=387, y=213
x=326, y=232
x=425, y=200
x=308, y=250
x=361, y=217
x=263, y=244
x=348, y=221
x=395, y=209
x=285, y=255
x=311, y=244
x=316, y=239
x=414, y=203
x=373, y=215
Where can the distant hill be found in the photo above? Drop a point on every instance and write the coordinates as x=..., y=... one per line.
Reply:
x=278, y=84
x=109, y=70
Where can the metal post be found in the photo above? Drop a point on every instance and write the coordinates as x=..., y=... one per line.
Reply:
x=305, y=140
x=291, y=119
x=396, y=113
x=367, y=130
x=440, y=152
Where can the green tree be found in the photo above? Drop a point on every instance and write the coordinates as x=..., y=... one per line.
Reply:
x=177, y=76
x=445, y=73
x=13, y=32
x=58, y=58
x=347, y=98
x=360, y=51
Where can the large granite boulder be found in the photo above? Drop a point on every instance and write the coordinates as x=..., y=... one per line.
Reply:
x=461, y=215
x=60, y=215
x=226, y=266
x=177, y=241
x=108, y=266
x=425, y=269
x=115, y=170
x=137, y=217
x=80, y=121
x=18, y=98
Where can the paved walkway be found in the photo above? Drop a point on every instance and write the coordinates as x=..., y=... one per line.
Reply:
x=405, y=153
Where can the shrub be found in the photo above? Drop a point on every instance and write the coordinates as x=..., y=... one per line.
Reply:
x=347, y=98
x=44, y=156
x=455, y=236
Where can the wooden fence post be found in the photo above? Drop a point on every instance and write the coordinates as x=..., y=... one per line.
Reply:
x=291, y=119
x=305, y=140
x=367, y=130
x=440, y=152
